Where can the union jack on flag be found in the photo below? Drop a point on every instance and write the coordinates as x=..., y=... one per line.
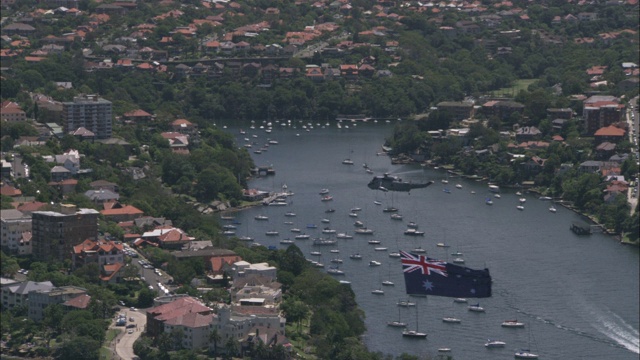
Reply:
x=412, y=262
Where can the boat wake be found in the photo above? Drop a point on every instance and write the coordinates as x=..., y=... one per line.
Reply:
x=615, y=328
x=618, y=333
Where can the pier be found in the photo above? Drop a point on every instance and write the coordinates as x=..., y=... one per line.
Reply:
x=581, y=228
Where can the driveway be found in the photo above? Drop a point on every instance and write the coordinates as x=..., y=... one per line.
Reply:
x=124, y=341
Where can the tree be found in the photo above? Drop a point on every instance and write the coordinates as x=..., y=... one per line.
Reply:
x=230, y=348
x=214, y=337
x=78, y=348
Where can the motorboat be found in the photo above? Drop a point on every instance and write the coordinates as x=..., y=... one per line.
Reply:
x=444, y=350
x=396, y=216
x=286, y=241
x=345, y=282
x=396, y=324
x=335, y=271
x=272, y=233
x=394, y=254
x=388, y=283
x=494, y=344
x=328, y=231
x=451, y=320
x=497, y=196
x=374, y=242
x=418, y=250
x=442, y=245
x=522, y=200
x=228, y=232
x=326, y=198
x=334, y=251
x=525, y=354
x=488, y=202
x=295, y=230
x=323, y=242
x=377, y=202
x=552, y=209
x=380, y=248
x=261, y=217
x=414, y=334
x=336, y=261
x=312, y=226
x=245, y=238
x=288, y=222
x=512, y=324
x=374, y=263
x=347, y=161
x=458, y=186
x=325, y=221
x=302, y=237
x=356, y=209
x=330, y=210
x=290, y=214
x=460, y=300
x=315, y=253
x=544, y=198
x=390, y=209
x=378, y=292
x=458, y=261
x=405, y=303
x=344, y=236
x=475, y=308
x=364, y=231
x=457, y=253
x=520, y=207
x=358, y=223
x=353, y=214
x=413, y=232
x=355, y=256
x=412, y=225
x=494, y=188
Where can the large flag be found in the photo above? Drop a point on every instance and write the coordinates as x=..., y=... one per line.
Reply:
x=425, y=276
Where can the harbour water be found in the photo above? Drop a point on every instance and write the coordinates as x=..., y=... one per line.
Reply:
x=577, y=295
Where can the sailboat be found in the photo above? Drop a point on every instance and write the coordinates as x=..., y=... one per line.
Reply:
x=526, y=353
x=397, y=323
x=414, y=334
x=388, y=282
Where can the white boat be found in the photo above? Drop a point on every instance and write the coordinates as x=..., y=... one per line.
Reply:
x=378, y=292
x=552, y=209
x=328, y=231
x=261, y=217
x=358, y=223
x=494, y=344
x=295, y=230
x=336, y=261
x=396, y=324
x=286, y=241
x=442, y=245
x=335, y=271
x=394, y=254
x=302, y=237
x=228, y=232
x=324, y=191
x=544, y=198
x=326, y=198
x=418, y=250
x=271, y=233
x=413, y=232
x=494, y=188
x=364, y=231
x=290, y=214
x=325, y=221
x=288, y=222
x=444, y=181
x=404, y=303
x=412, y=225
x=388, y=283
x=344, y=236
x=473, y=192
x=522, y=200
x=460, y=300
x=245, y=238
x=497, y=196
x=457, y=253
x=316, y=253
x=356, y=209
x=377, y=202
x=475, y=308
x=444, y=350
x=525, y=354
x=488, y=202
x=334, y=251
x=373, y=242
x=451, y=320
x=512, y=324
x=374, y=263
x=458, y=261
x=353, y=214
x=518, y=193
x=323, y=242
x=347, y=161
x=520, y=207
x=380, y=248
x=355, y=256
x=345, y=282
x=458, y=186
x=414, y=334
x=396, y=217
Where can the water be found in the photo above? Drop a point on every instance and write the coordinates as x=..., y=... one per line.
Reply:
x=578, y=296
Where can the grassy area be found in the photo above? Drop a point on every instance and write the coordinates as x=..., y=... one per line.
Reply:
x=105, y=350
x=111, y=334
x=521, y=84
x=299, y=340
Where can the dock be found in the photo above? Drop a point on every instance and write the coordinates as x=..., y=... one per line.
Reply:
x=581, y=228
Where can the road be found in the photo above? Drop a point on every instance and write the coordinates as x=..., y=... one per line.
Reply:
x=633, y=119
x=124, y=341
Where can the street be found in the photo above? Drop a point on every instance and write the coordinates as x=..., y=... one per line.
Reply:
x=123, y=343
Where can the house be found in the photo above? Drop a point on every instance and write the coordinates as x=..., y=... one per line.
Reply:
x=215, y=259
x=12, y=112
x=167, y=237
x=605, y=150
x=19, y=29
x=158, y=315
x=137, y=116
x=101, y=196
x=315, y=74
x=178, y=142
x=65, y=187
x=38, y=300
x=104, y=185
x=560, y=113
x=503, y=110
x=101, y=252
x=610, y=133
x=349, y=71
x=17, y=293
x=122, y=213
x=591, y=166
x=10, y=191
x=601, y=111
x=185, y=127
x=527, y=133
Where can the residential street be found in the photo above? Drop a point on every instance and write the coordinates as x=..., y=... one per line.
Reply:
x=123, y=343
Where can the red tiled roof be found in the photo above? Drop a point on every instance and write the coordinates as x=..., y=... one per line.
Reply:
x=217, y=262
x=29, y=206
x=78, y=302
x=177, y=308
x=126, y=210
x=609, y=131
x=137, y=113
x=8, y=190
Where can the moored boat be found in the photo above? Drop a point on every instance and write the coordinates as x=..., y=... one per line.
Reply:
x=494, y=344
x=512, y=324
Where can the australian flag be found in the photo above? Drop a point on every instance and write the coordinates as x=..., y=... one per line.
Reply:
x=425, y=276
